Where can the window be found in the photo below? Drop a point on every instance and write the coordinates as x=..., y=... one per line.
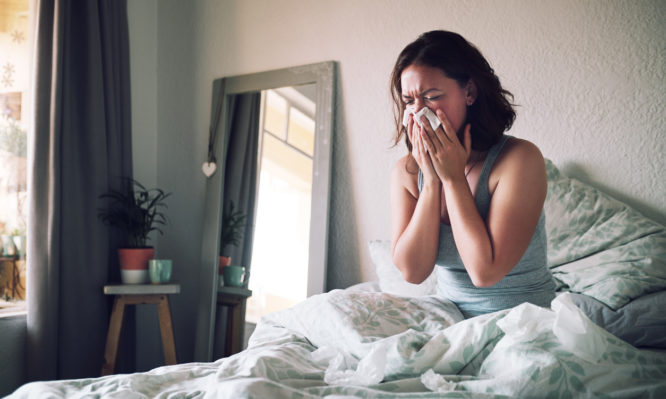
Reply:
x=15, y=75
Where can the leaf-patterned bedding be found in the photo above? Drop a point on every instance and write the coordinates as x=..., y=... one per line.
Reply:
x=600, y=247
x=349, y=343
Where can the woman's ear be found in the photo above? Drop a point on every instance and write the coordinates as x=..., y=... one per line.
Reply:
x=470, y=92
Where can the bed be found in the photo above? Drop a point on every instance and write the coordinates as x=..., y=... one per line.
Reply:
x=604, y=335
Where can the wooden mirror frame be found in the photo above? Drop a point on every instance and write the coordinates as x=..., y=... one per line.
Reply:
x=323, y=75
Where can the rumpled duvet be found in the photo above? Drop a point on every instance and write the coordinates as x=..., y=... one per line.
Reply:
x=375, y=345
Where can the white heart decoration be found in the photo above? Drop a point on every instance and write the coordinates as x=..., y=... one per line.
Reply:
x=208, y=168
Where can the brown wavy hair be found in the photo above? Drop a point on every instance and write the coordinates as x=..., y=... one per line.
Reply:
x=492, y=112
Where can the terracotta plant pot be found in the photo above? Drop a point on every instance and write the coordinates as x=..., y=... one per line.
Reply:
x=134, y=264
x=223, y=262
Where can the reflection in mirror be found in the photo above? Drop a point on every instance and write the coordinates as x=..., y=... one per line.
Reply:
x=285, y=197
x=282, y=223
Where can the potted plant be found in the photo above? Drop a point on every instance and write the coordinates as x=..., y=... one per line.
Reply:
x=136, y=211
x=233, y=223
x=6, y=243
x=19, y=239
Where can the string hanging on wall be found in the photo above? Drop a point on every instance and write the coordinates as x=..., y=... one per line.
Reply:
x=210, y=166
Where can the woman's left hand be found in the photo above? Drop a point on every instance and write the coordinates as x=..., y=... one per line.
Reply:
x=447, y=154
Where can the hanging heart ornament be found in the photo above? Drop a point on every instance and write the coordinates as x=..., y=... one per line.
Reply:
x=208, y=168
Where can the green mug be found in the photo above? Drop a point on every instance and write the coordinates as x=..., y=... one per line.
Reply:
x=233, y=275
x=159, y=270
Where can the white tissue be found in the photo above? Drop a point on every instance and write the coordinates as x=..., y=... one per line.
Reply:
x=370, y=369
x=525, y=322
x=577, y=333
x=436, y=382
x=425, y=111
x=573, y=329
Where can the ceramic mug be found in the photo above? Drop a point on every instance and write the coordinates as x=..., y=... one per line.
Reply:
x=233, y=275
x=159, y=270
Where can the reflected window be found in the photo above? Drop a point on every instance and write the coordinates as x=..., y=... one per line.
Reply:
x=279, y=270
x=275, y=113
x=301, y=131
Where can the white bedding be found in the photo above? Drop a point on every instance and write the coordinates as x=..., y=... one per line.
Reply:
x=356, y=343
x=373, y=345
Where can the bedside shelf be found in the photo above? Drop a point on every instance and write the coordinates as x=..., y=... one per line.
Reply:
x=234, y=299
x=238, y=291
x=141, y=289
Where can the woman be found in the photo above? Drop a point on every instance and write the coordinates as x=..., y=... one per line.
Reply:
x=467, y=200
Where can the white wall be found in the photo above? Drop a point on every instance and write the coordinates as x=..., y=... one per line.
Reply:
x=589, y=77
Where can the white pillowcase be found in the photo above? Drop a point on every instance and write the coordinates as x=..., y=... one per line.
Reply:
x=390, y=278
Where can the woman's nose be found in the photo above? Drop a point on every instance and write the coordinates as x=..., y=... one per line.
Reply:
x=417, y=105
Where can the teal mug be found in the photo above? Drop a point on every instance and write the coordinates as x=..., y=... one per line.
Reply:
x=233, y=276
x=159, y=270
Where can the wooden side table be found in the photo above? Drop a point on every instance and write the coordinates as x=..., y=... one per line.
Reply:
x=234, y=298
x=135, y=294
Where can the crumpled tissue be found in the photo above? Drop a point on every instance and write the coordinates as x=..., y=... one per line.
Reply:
x=369, y=370
x=425, y=111
x=525, y=322
x=436, y=382
x=576, y=331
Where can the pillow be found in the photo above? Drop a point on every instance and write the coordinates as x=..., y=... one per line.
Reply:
x=599, y=246
x=390, y=278
x=582, y=220
x=641, y=322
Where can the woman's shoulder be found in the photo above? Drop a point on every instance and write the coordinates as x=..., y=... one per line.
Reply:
x=520, y=151
x=520, y=159
x=405, y=172
x=406, y=165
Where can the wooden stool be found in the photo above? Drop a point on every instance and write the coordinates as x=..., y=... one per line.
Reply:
x=136, y=294
x=234, y=298
x=18, y=290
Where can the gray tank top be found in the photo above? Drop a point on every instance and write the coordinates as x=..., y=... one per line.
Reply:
x=529, y=281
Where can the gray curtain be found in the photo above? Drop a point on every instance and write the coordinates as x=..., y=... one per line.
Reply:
x=81, y=149
x=240, y=178
x=241, y=143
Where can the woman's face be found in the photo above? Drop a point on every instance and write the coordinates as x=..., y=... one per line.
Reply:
x=425, y=86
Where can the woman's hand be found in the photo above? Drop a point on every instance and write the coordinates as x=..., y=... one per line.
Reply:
x=415, y=133
x=447, y=155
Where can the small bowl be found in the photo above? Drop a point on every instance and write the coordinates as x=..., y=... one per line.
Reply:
x=128, y=276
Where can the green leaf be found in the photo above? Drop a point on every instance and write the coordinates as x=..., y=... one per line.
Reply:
x=555, y=376
x=576, y=383
x=535, y=375
x=456, y=366
x=467, y=352
x=576, y=368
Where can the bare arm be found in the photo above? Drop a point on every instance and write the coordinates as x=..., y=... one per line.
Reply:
x=414, y=222
x=490, y=250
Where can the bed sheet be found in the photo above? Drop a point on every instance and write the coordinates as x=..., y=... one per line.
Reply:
x=349, y=343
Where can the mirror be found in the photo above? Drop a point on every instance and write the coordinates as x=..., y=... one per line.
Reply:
x=289, y=85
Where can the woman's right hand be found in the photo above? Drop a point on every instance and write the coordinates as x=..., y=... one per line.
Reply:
x=419, y=152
